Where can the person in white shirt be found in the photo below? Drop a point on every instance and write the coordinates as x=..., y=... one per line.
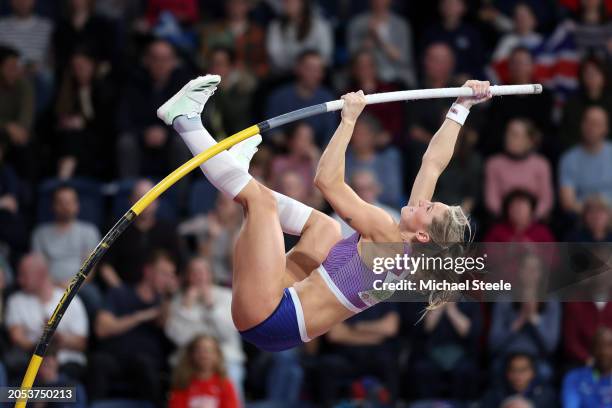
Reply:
x=298, y=29
x=389, y=37
x=205, y=308
x=28, y=311
x=28, y=33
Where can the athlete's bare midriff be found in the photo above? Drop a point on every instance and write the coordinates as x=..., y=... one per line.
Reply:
x=321, y=308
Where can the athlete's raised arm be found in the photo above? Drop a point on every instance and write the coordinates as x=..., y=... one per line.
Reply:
x=370, y=221
x=442, y=145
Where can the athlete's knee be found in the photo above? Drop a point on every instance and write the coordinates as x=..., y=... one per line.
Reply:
x=256, y=195
x=334, y=229
x=265, y=198
x=324, y=224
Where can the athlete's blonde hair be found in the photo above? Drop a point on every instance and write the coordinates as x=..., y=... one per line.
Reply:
x=445, y=232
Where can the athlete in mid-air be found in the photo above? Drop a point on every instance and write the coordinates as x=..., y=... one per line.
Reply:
x=281, y=300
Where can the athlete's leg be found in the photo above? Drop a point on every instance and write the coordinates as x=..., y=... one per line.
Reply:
x=318, y=231
x=228, y=171
x=259, y=275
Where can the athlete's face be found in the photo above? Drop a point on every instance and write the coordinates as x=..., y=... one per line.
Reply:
x=416, y=219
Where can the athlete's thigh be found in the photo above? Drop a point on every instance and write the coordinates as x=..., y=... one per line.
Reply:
x=259, y=262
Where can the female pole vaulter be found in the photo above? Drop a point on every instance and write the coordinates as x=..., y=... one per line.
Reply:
x=282, y=300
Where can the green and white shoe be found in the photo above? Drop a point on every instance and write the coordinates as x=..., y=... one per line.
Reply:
x=190, y=100
x=244, y=151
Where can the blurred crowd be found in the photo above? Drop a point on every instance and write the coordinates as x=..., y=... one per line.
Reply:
x=80, y=81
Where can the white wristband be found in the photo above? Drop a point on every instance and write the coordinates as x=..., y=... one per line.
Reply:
x=458, y=113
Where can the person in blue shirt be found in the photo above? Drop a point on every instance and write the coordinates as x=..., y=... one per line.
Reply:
x=520, y=379
x=586, y=169
x=306, y=90
x=591, y=386
x=385, y=163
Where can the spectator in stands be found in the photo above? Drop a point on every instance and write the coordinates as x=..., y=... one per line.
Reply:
x=537, y=108
x=123, y=262
x=307, y=90
x=133, y=349
x=446, y=352
x=580, y=323
x=461, y=181
x=6, y=282
x=385, y=164
x=590, y=386
x=519, y=167
x=292, y=185
x=519, y=223
x=516, y=401
x=389, y=37
x=460, y=36
x=82, y=28
x=13, y=234
x=184, y=11
x=573, y=6
x=298, y=29
x=592, y=31
x=596, y=223
x=145, y=146
x=498, y=13
x=593, y=92
x=367, y=186
x=232, y=105
x=49, y=375
x=215, y=233
x=125, y=12
x=520, y=379
x=302, y=155
x=200, y=377
x=524, y=34
x=84, y=120
x=236, y=32
x=66, y=242
x=205, y=308
x=28, y=33
x=16, y=111
x=586, y=169
x=27, y=312
x=527, y=326
x=365, y=76
x=364, y=345
x=425, y=117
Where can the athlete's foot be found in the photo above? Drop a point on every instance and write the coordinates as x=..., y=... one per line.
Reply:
x=190, y=100
x=244, y=151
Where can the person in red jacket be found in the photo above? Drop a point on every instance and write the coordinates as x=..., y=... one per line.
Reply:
x=581, y=322
x=199, y=379
x=185, y=11
x=519, y=224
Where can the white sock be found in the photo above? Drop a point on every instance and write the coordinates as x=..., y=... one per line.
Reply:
x=221, y=170
x=225, y=173
x=292, y=214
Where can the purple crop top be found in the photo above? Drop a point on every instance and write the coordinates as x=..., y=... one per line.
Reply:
x=350, y=279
